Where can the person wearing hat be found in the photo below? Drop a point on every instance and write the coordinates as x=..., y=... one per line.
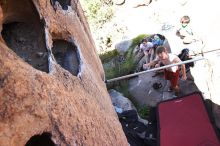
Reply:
x=147, y=48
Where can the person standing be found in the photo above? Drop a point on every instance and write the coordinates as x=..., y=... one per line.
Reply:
x=185, y=31
x=171, y=73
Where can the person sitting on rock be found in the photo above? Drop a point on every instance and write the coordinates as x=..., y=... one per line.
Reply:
x=171, y=73
x=147, y=48
x=156, y=40
x=185, y=31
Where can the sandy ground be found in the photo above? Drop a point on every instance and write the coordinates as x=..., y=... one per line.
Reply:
x=150, y=19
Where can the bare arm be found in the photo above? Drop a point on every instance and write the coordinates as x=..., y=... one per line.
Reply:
x=153, y=63
x=183, y=68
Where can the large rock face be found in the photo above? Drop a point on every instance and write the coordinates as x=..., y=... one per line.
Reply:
x=51, y=79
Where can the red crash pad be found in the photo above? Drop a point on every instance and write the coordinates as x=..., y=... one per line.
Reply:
x=185, y=122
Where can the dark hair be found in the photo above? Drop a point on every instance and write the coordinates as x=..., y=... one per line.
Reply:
x=144, y=40
x=160, y=49
x=185, y=19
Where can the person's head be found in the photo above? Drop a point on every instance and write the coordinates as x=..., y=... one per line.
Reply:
x=162, y=52
x=185, y=20
x=144, y=41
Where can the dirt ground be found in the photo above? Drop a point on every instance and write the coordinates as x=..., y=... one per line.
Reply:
x=141, y=88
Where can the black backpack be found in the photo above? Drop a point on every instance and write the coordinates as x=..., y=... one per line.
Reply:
x=184, y=55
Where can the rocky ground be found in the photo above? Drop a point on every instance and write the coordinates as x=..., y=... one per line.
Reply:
x=141, y=88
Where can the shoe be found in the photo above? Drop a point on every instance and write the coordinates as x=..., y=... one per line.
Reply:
x=174, y=96
x=177, y=94
x=157, y=85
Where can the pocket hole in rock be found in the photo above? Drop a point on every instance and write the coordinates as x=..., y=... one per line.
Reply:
x=66, y=55
x=40, y=140
x=23, y=32
x=64, y=3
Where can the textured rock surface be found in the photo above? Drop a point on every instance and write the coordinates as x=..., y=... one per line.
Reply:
x=123, y=46
x=207, y=79
x=120, y=101
x=76, y=110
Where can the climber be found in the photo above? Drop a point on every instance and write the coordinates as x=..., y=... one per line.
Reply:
x=171, y=73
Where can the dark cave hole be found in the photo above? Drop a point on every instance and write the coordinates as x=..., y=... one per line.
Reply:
x=40, y=140
x=24, y=33
x=66, y=55
x=27, y=41
x=64, y=3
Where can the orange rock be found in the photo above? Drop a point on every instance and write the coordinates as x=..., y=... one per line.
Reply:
x=74, y=109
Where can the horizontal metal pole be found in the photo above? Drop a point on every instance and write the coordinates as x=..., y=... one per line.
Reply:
x=204, y=52
x=154, y=69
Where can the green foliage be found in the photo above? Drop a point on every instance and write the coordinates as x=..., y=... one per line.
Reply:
x=144, y=111
x=124, y=68
x=98, y=12
x=121, y=68
x=111, y=73
x=107, y=56
x=137, y=40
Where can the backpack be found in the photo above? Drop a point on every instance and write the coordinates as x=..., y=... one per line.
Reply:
x=184, y=55
x=157, y=40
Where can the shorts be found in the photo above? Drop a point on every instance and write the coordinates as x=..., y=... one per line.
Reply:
x=173, y=77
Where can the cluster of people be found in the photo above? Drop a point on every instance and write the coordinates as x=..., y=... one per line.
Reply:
x=149, y=45
x=155, y=44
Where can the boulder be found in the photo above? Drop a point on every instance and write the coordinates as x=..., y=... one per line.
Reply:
x=123, y=46
x=122, y=104
x=42, y=100
x=120, y=101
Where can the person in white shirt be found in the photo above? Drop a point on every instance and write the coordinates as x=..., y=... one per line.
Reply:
x=147, y=48
x=185, y=31
x=171, y=73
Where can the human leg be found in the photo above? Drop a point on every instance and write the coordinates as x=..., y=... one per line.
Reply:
x=175, y=82
x=173, y=77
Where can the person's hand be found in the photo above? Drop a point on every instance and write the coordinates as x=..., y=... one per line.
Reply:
x=157, y=65
x=146, y=66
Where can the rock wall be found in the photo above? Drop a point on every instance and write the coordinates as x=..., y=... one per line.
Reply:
x=68, y=108
x=206, y=76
